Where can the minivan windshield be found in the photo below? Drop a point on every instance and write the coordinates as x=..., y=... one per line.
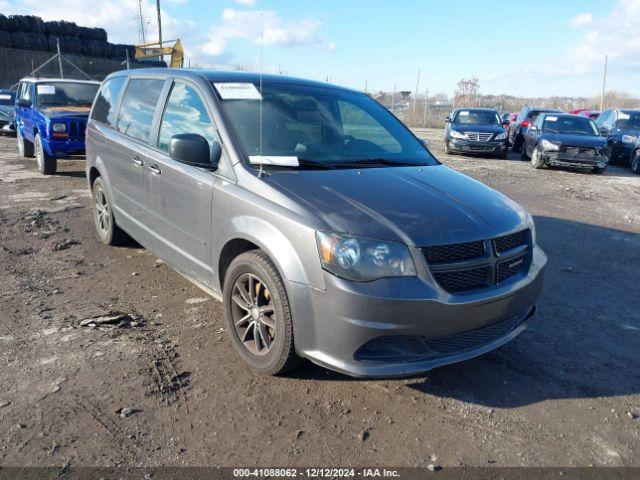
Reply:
x=58, y=94
x=569, y=125
x=476, y=117
x=628, y=119
x=323, y=127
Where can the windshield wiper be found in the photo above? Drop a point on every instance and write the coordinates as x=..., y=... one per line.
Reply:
x=375, y=162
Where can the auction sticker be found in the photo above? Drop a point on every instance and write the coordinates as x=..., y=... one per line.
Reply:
x=46, y=90
x=551, y=119
x=238, y=91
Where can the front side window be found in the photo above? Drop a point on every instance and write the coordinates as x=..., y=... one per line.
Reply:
x=573, y=125
x=138, y=106
x=104, y=108
x=185, y=113
x=7, y=98
x=330, y=126
x=64, y=94
x=476, y=117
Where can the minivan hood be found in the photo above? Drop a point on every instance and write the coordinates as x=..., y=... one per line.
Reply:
x=419, y=206
x=575, y=140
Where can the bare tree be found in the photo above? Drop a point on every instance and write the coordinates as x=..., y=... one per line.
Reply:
x=468, y=92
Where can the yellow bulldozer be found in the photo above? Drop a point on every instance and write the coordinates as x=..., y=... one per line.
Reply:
x=157, y=50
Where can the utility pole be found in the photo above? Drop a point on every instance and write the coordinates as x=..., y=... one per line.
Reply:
x=142, y=36
x=426, y=108
x=415, y=98
x=59, y=58
x=159, y=24
x=604, y=82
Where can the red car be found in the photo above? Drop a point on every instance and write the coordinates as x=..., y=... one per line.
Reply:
x=586, y=112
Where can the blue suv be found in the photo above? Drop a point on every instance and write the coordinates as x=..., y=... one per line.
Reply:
x=51, y=117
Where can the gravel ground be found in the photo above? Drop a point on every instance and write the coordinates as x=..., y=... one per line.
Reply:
x=161, y=385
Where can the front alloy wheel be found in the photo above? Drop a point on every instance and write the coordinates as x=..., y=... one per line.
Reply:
x=536, y=158
x=257, y=313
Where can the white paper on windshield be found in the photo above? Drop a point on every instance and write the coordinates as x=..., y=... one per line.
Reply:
x=463, y=113
x=4, y=96
x=551, y=119
x=238, y=91
x=46, y=90
x=624, y=116
x=279, y=160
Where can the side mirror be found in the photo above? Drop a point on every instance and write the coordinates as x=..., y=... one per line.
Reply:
x=447, y=119
x=604, y=131
x=193, y=149
x=23, y=103
x=505, y=124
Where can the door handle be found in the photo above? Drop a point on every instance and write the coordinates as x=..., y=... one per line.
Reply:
x=155, y=169
x=137, y=161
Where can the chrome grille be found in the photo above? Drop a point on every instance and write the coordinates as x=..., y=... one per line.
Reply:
x=478, y=136
x=462, y=280
x=454, y=252
x=509, y=242
x=462, y=267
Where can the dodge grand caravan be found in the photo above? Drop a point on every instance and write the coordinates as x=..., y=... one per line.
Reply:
x=326, y=228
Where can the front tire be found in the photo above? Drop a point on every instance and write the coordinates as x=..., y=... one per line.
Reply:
x=25, y=147
x=635, y=162
x=106, y=226
x=46, y=163
x=257, y=313
x=536, y=159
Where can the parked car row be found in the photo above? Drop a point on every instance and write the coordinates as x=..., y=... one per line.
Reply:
x=288, y=200
x=584, y=139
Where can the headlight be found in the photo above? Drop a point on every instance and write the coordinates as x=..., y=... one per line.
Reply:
x=59, y=127
x=547, y=145
x=363, y=259
x=628, y=139
x=457, y=134
x=501, y=136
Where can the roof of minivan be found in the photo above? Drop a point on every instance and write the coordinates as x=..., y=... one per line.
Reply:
x=66, y=80
x=478, y=109
x=230, y=77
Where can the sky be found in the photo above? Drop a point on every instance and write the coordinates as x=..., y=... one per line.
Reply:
x=544, y=48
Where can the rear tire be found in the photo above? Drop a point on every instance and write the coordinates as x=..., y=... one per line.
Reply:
x=46, y=163
x=536, y=159
x=523, y=152
x=635, y=162
x=25, y=147
x=106, y=226
x=257, y=313
x=597, y=170
x=447, y=151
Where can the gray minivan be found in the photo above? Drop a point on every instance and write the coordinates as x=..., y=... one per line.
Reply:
x=327, y=229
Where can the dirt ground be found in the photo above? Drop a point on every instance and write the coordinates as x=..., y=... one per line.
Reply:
x=164, y=387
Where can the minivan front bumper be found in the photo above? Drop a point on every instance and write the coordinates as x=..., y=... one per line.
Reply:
x=476, y=147
x=406, y=326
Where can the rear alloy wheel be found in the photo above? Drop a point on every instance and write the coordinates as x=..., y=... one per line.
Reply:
x=25, y=147
x=257, y=313
x=635, y=162
x=536, y=158
x=46, y=163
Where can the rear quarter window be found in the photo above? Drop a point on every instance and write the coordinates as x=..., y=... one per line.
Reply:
x=104, y=110
x=138, y=106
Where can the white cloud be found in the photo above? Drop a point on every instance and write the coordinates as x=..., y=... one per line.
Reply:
x=247, y=3
x=237, y=24
x=582, y=20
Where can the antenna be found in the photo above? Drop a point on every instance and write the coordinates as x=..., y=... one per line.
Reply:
x=261, y=171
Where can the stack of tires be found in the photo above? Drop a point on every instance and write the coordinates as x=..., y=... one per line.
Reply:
x=29, y=32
